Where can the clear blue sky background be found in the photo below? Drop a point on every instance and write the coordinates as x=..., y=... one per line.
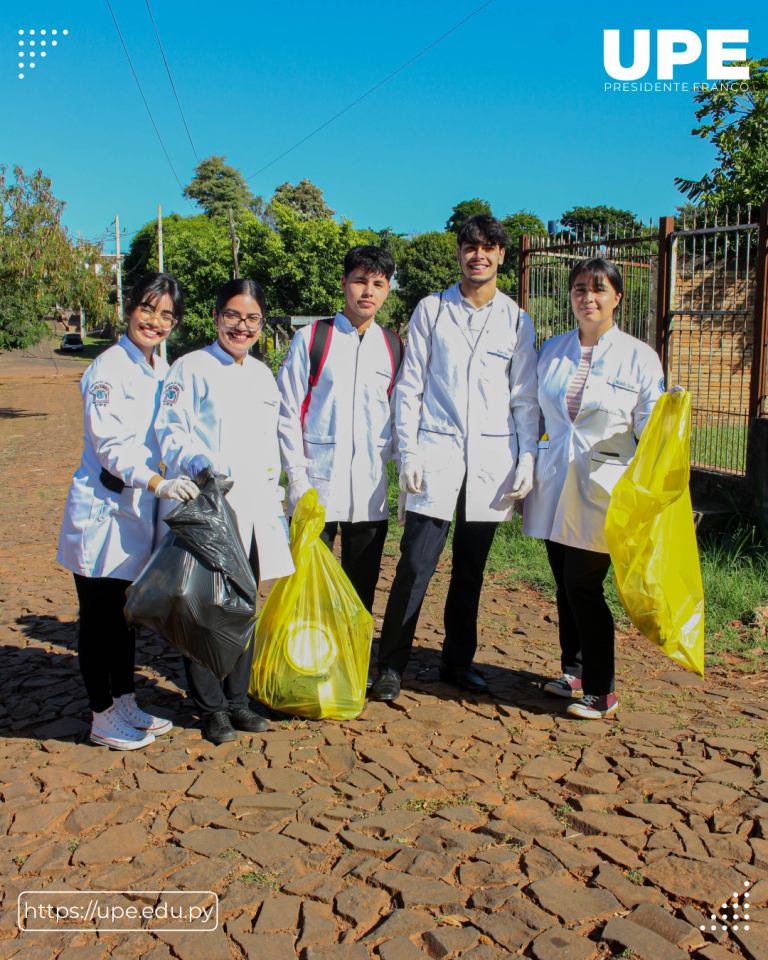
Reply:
x=509, y=108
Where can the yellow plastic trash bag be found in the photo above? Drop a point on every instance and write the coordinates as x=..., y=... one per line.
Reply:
x=652, y=540
x=312, y=643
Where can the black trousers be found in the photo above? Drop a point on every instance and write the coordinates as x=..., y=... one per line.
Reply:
x=106, y=647
x=362, y=545
x=212, y=695
x=586, y=622
x=420, y=549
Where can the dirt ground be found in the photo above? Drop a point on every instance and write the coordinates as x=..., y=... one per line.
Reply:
x=439, y=825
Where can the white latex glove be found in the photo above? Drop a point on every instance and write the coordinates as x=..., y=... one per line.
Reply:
x=523, y=483
x=178, y=489
x=677, y=389
x=412, y=476
x=401, y=508
x=298, y=487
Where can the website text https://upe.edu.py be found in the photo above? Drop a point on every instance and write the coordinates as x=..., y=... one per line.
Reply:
x=118, y=910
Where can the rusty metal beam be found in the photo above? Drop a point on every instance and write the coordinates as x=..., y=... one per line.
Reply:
x=666, y=227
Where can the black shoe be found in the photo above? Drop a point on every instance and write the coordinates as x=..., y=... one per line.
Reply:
x=369, y=683
x=387, y=686
x=463, y=677
x=247, y=720
x=217, y=727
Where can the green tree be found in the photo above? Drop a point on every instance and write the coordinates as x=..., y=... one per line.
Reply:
x=41, y=268
x=736, y=124
x=217, y=187
x=305, y=199
x=464, y=210
x=428, y=265
x=517, y=224
x=598, y=220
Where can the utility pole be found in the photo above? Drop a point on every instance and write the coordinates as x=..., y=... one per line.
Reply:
x=160, y=266
x=235, y=244
x=119, y=271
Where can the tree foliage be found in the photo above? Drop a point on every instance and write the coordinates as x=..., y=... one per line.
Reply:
x=42, y=270
x=517, y=224
x=427, y=266
x=305, y=199
x=463, y=211
x=597, y=220
x=217, y=187
x=736, y=124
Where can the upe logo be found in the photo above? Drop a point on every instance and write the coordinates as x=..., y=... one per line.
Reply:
x=688, y=50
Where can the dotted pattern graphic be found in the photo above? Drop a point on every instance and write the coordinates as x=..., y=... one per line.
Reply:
x=28, y=51
x=739, y=907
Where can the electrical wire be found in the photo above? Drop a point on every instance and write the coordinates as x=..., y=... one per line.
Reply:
x=144, y=98
x=173, y=85
x=372, y=90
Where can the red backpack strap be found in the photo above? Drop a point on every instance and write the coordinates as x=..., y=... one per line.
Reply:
x=319, y=345
x=396, y=350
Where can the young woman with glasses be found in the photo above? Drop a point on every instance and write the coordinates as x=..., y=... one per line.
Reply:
x=111, y=512
x=219, y=410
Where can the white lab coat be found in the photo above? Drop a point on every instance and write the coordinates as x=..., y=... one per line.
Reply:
x=107, y=534
x=349, y=425
x=467, y=409
x=228, y=412
x=581, y=462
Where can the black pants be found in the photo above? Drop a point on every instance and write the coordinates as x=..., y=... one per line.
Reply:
x=420, y=549
x=106, y=647
x=212, y=695
x=586, y=622
x=362, y=545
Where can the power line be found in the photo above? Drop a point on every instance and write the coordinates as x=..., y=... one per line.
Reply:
x=372, y=90
x=173, y=86
x=144, y=98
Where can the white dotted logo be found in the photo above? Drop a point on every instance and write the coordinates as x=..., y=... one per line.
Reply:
x=739, y=907
x=27, y=57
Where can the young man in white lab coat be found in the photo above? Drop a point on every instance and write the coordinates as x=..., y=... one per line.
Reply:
x=467, y=425
x=336, y=433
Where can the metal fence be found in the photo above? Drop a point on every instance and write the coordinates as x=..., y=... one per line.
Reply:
x=546, y=261
x=697, y=294
x=711, y=304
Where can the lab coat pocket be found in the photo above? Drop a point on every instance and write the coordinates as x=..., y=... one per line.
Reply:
x=542, y=455
x=496, y=364
x=619, y=398
x=320, y=451
x=437, y=445
x=604, y=473
x=498, y=452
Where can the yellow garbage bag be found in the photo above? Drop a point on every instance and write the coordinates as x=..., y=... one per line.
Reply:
x=312, y=641
x=652, y=540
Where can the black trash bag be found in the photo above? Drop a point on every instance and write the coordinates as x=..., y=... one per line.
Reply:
x=198, y=590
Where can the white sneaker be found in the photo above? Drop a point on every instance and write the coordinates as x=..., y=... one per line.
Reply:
x=133, y=715
x=565, y=686
x=109, y=728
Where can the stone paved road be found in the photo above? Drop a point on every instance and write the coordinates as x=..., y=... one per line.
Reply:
x=440, y=825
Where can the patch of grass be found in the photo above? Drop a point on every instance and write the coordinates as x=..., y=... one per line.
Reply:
x=734, y=570
x=261, y=879
x=635, y=876
x=431, y=807
x=73, y=844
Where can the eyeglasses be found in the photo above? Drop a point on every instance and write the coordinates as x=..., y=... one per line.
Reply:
x=253, y=322
x=165, y=317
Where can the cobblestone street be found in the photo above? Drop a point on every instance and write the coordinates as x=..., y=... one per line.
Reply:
x=437, y=826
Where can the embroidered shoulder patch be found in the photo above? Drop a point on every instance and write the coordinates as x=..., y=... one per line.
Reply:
x=100, y=393
x=171, y=392
x=661, y=384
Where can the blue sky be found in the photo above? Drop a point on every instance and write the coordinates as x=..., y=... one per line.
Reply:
x=510, y=108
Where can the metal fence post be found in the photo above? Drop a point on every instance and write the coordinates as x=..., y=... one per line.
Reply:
x=666, y=226
x=759, y=374
x=522, y=270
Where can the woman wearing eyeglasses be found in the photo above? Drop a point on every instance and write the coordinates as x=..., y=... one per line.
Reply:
x=219, y=409
x=110, y=516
